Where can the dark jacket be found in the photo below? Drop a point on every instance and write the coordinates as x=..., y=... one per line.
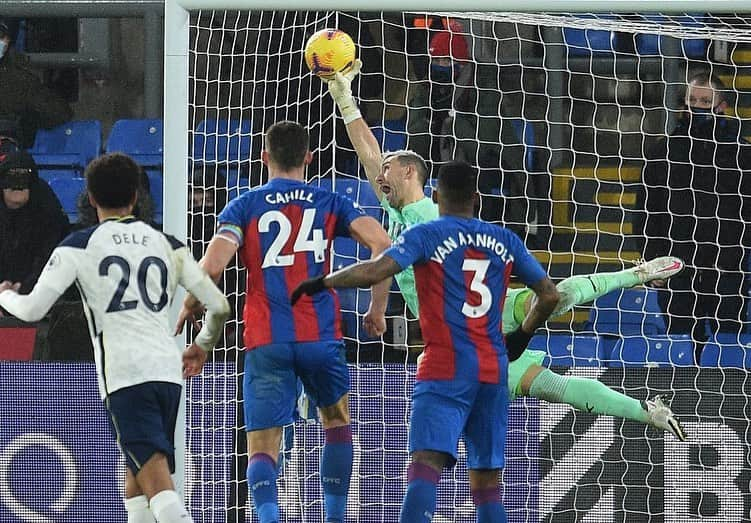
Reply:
x=29, y=234
x=25, y=104
x=697, y=197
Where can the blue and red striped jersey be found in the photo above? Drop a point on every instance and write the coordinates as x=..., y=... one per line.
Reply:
x=462, y=270
x=285, y=229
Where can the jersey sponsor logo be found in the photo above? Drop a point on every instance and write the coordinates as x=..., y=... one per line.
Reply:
x=477, y=240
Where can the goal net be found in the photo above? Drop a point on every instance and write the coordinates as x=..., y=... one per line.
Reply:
x=566, y=117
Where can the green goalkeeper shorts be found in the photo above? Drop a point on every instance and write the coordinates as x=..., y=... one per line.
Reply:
x=507, y=315
x=517, y=369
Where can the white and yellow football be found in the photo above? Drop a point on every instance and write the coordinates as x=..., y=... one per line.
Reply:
x=328, y=52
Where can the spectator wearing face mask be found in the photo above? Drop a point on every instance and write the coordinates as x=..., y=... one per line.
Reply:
x=696, y=200
x=25, y=105
x=32, y=221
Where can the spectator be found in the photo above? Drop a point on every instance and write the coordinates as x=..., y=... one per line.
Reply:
x=457, y=115
x=697, y=206
x=32, y=221
x=25, y=105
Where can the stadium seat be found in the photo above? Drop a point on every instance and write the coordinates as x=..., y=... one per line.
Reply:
x=142, y=140
x=156, y=189
x=653, y=351
x=626, y=312
x=727, y=350
x=361, y=192
x=585, y=42
x=347, y=251
x=50, y=174
x=222, y=141
x=525, y=132
x=70, y=145
x=392, y=135
x=650, y=44
x=566, y=350
x=67, y=191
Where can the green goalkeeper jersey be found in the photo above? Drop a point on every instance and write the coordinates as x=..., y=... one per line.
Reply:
x=423, y=210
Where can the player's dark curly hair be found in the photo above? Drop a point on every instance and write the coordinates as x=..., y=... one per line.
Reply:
x=287, y=143
x=457, y=182
x=113, y=180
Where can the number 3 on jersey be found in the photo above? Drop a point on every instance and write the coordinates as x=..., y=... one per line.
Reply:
x=307, y=240
x=479, y=269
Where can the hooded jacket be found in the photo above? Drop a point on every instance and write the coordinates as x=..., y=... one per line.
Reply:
x=29, y=234
x=697, y=195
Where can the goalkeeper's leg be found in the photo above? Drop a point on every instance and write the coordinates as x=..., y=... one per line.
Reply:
x=584, y=394
x=590, y=395
x=578, y=290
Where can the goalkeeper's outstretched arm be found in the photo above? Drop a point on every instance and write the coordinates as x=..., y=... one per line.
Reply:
x=366, y=146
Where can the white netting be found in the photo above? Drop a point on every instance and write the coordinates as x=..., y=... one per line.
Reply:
x=561, y=113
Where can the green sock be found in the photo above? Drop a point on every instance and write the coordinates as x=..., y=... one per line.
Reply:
x=586, y=395
x=577, y=290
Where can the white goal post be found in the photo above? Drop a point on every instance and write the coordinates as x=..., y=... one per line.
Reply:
x=582, y=119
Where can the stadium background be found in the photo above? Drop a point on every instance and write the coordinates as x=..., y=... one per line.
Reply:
x=563, y=466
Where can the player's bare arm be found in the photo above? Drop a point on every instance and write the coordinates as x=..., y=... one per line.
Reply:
x=547, y=299
x=358, y=275
x=218, y=255
x=368, y=232
x=366, y=146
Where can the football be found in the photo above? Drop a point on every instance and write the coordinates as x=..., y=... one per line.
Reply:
x=329, y=51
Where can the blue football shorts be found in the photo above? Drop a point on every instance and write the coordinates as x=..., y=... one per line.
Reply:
x=270, y=382
x=142, y=419
x=444, y=410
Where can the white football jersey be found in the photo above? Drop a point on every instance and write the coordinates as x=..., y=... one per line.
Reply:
x=127, y=273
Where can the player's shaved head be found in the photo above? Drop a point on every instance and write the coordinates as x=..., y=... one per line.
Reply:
x=457, y=183
x=287, y=143
x=406, y=157
x=112, y=180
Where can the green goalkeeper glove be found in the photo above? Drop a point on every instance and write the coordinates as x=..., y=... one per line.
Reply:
x=340, y=88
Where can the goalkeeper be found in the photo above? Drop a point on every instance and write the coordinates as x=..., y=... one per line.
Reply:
x=399, y=178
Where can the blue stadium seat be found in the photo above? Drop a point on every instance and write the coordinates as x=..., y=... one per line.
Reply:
x=70, y=145
x=49, y=174
x=565, y=350
x=222, y=141
x=347, y=251
x=67, y=191
x=392, y=135
x=525, y=132
x=650, y=44
x=585, y=42
x=653, y=351
x=156, y=189
x=361, y=192
x=142, y=140
x=430, y=186
x=727, y=350
x=626, y=312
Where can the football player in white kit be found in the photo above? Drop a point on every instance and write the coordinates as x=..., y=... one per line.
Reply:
x=127, y=273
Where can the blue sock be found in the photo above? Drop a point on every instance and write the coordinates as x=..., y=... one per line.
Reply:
x=489, y=506
x=336, y=470
x=262, y=485
x=419, y=501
